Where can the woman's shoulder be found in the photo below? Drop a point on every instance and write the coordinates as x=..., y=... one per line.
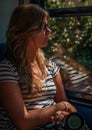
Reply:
x=7, y=71
x=52, y=62
x=4, y=61
x=5, y=64
x=53, y=68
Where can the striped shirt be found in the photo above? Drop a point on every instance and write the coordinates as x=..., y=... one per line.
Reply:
x=8, y=73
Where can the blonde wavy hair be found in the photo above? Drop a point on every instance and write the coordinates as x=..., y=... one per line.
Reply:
x=26, y=20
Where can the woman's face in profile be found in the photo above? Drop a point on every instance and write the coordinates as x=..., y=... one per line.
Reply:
x=41, y=39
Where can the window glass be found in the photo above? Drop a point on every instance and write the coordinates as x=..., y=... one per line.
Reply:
x=74, y=35
x=70, y=45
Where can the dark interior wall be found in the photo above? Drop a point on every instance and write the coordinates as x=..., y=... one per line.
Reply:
x=6, y=8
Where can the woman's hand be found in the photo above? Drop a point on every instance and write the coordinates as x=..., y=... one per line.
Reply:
x=69, y=107
x=58, y=117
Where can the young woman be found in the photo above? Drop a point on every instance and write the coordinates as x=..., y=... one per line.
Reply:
x=31, y=89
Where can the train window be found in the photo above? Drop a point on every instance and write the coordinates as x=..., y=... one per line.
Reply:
x=70, y=43
x=73, y=36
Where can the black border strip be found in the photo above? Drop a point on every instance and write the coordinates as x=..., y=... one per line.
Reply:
x=75, y=11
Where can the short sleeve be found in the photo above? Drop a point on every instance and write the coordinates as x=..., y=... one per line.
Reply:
x=7, y=72
x=53, y=69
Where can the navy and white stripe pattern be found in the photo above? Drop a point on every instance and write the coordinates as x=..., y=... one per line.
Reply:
x=80, y=80
x=8, y=73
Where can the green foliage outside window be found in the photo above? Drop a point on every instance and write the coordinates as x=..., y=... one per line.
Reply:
x=67, y=3
x=73, y=35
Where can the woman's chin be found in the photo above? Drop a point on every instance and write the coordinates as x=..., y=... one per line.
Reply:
x=45, y=44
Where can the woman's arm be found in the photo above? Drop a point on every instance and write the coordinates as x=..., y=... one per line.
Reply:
x=60, y=92
x=61, y=95
x=12, y=101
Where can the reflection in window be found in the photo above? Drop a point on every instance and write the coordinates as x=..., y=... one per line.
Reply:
x=70, y=46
